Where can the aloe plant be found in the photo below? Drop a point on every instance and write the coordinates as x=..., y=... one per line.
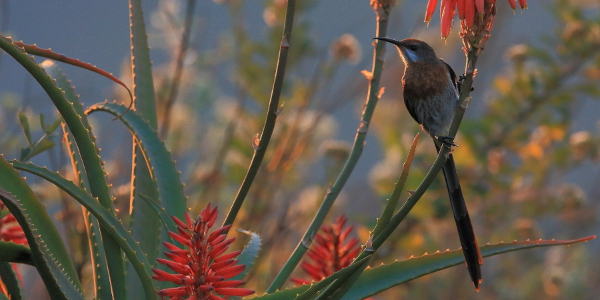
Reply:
x=123, y=244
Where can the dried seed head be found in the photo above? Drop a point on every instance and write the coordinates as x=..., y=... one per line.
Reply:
x=517, y=53
x=346, y=47
x=378, y=5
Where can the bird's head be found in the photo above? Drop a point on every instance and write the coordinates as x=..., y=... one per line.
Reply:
x=412, y=50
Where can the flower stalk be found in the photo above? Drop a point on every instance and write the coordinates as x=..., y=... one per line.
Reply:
x=382, y=9
x=269, y=126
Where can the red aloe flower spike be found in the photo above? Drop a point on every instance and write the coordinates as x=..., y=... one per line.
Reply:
x=477, y=17
x=431, y=4
x=331, y=251
x=173, y=292
x=11, y=231
x=202, y=270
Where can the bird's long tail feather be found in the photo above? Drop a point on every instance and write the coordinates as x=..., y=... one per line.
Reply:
x=466, y=234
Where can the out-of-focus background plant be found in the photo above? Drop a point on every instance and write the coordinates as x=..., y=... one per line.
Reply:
x=529, y=147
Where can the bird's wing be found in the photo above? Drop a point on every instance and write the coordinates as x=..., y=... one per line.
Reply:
x=411, y=109
x=452, y=74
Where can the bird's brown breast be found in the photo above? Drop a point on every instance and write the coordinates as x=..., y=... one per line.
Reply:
x=424, y=80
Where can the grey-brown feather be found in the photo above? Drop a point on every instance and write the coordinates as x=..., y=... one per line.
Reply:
x=434, y=108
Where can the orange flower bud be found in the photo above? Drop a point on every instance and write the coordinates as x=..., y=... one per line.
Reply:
x=480, y=6
x=469, y=13
x=512, y=3
x=430, y=9
x=461, y=9
x=447, y=15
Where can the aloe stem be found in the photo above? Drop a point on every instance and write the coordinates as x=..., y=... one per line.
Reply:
x=269, y=126
x=355, y=153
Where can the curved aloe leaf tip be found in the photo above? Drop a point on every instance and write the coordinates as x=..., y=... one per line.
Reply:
x=51, y=54
x=170, y=188
x=250, y=253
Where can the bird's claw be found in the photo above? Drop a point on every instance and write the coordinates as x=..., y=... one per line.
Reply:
x=461, y=80
x=447, y=141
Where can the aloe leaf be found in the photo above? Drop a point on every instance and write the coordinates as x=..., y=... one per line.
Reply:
x=89, y=153
x=170, y=189
x=15, y=253
x=382, y=278
x=8, y=277
x=101, y=275
x=379, y=279
x=165, y=220
x=145, y=230
x=49, y=253
x=49, y=53
x=102, y=286
x=249, y=254
x=108, y=221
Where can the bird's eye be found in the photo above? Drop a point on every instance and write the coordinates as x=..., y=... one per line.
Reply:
x=412, y=47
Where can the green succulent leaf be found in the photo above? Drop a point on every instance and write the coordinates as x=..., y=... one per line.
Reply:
x=379, y=279
x=49, y=253
x=107, y=221
x=144, y=191
x=15, y=253
x=249, y=254
x=170, y=189
x=90, y=154
x=95, y=243
x=8, y=277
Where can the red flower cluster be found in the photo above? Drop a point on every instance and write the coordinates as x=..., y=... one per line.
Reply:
x=10, y=230
x=202, y=268
x=331, y=251
x=470, y=12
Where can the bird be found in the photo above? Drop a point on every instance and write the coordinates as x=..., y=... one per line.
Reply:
x=431, y=93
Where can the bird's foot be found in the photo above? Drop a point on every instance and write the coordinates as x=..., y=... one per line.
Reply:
x=446, y=141
x=461, y=80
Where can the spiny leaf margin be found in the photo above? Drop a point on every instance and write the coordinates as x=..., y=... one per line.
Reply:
x=170, y=189
x=108, y=222
x=49, y=253
x=377, y=279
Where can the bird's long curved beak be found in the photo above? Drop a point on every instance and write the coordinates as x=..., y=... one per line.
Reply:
x=395, y=42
